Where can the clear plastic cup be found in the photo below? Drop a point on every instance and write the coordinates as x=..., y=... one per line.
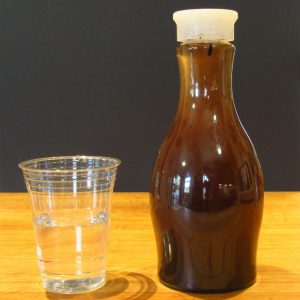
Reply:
x=71, y=201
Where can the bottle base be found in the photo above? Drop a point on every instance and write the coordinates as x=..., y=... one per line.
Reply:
x=210, y=290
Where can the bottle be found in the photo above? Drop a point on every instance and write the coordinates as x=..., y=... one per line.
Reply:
x=206, y=193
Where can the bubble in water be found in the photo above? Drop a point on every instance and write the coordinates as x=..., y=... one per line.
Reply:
x=101, y=217
x=44, y=220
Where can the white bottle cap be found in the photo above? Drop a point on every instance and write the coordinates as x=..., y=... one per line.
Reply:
x=205, y=24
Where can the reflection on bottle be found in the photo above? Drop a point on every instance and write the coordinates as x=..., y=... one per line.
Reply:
x=187, y=184
x=247, y=188
x=202, y=193
x=214, y=118
x=219, y=149
x=205, y=180
x=167, y=242
x=186, y=199
x=171, y=259
x=194, y=90
x=176, y=190
x=157, y=183
x=225, y=188
x=246, y=177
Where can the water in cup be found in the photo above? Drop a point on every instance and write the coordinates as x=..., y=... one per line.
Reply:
x=72, y=244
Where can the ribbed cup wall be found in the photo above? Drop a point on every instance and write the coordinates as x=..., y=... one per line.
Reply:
x=70, y=174
x=70, y=182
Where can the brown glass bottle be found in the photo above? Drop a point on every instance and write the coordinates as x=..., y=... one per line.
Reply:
x=207, y=186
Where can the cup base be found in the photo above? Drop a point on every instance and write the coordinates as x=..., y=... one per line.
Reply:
x=73, y=286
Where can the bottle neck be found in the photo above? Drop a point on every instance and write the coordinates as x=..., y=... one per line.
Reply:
x=205, y=76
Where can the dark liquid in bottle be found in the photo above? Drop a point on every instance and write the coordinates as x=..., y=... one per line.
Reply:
x=207, y=186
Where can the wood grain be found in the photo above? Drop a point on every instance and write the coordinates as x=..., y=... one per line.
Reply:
x=132, y=253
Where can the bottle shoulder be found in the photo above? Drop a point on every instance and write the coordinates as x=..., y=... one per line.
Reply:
x=206, y=144
x=219, y=163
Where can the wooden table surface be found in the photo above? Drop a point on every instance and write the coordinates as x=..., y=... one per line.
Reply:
x=132, y=253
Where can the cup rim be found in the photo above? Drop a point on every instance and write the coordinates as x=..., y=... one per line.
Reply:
x=26, y=164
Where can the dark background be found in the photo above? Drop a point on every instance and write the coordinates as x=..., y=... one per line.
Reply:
x=101, y=78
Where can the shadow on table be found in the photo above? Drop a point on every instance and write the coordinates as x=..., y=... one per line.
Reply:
x=133, y=285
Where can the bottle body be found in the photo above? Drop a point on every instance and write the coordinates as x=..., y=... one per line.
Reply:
x=207, y=187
